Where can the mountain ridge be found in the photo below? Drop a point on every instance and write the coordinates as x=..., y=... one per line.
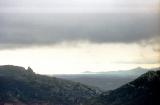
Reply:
x=142, y=91
x=20, y=85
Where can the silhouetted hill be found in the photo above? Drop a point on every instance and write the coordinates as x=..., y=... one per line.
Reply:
x=145, y=90
x=18, y=85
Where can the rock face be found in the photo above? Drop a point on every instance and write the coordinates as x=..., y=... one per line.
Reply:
x=19, y=86
x=145, y=90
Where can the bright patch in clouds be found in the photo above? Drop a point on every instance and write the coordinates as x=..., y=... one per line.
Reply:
x=72, y=58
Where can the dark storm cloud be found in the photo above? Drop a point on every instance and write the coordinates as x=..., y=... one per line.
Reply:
x=43, y=29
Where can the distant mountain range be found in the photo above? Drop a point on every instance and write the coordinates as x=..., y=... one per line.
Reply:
x=133, y=72
x=20, y=86
x=106, y=80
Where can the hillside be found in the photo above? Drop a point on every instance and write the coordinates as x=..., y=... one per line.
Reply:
x=142, y=91
x=18, y=85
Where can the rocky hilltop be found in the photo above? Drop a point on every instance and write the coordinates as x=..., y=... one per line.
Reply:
x=20, y=86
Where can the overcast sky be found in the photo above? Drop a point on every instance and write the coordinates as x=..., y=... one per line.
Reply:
x=81, y=35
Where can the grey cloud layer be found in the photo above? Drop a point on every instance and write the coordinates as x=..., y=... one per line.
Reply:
x=31, y=29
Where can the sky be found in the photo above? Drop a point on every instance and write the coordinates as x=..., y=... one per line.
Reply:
x=74, y=36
